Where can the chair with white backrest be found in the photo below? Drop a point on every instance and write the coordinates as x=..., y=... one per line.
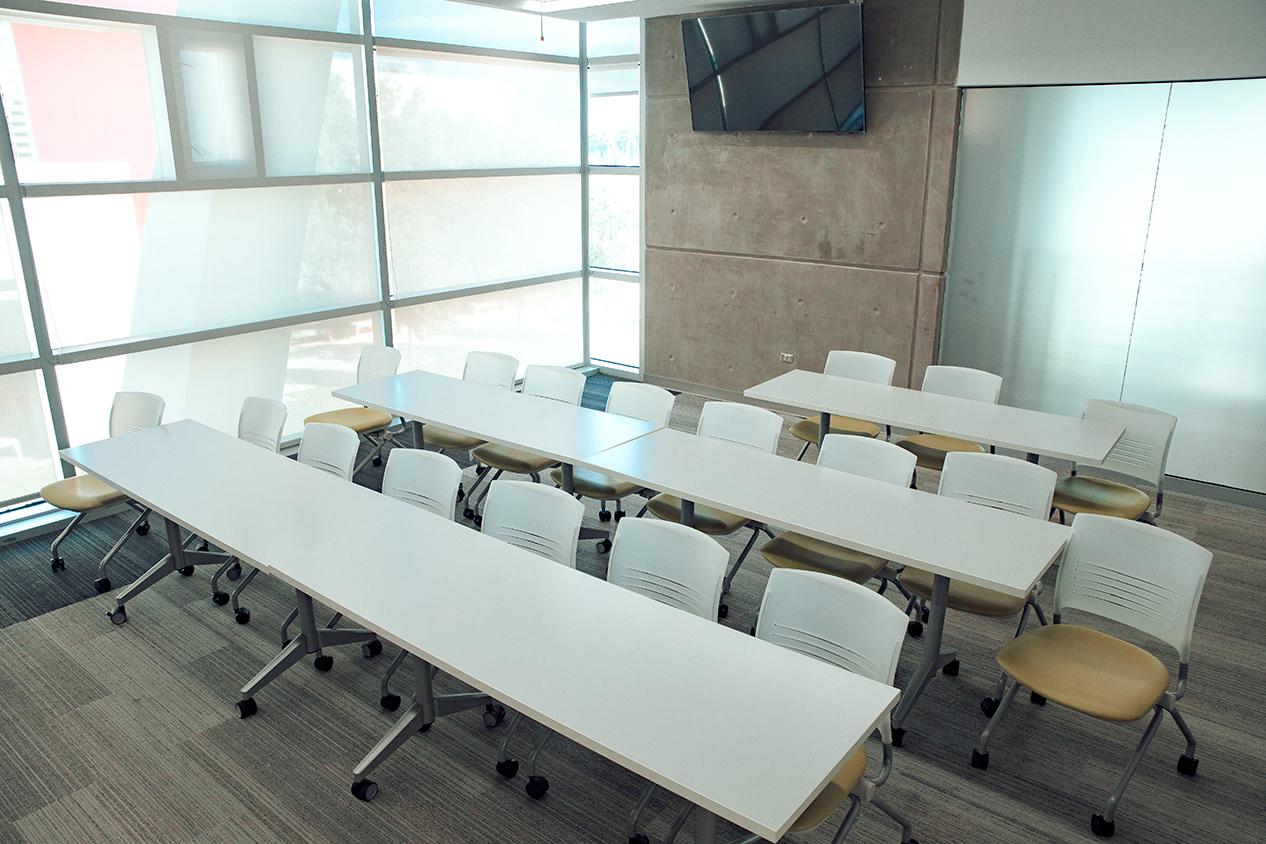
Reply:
x=742, y=424
x=638, y=401
x=1141, y=454
x=83, y=494
x=427, y=480
x=876, y=459
x=375, y=364
x=960, y=382
x=1134, y=574
x=557, y=383
x=859, y=366
x=665, y=562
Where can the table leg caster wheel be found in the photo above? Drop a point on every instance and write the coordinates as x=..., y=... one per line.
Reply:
x=118, y=615
x=242, y=616
x=950, y=669
x=1037, y=699
x=102, y=584
x=914, y=629
x=371, y=648
x=142, y=529
x=536, y=787
x=639, y=838
x=508, y=768
x=389, y=702
x=365, y=790
x=979, y=760
x=604, y=545
x=604, y=515
x=57, y=564
x=1187, y=765
x=323, y=663
x=989, y=706
x=898, y=737
x=620, y=514
x=468, y=513
x=187, y=571
x=723, y=611
x=494, y=714
x=246, y=708
x=219, y=598
x=1102, y=828
x=234, y=572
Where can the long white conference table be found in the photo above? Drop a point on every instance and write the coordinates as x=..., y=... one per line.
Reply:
x=999, y=425
x=658, y=691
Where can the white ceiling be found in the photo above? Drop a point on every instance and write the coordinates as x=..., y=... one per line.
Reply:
x=592, y=10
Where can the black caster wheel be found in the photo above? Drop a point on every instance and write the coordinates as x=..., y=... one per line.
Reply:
x=480, y=470
x=640, y=838
x=365, y=790
x=914, y=628
x=204, y=546
x=620, y=514
x=923, y=615
x=1187, y=765
x=219, y=598
x=494, y=714
x=604, y=515
x=723, y=611
x=1036, y=699
x=323, y=663
x=508, y=768
x=246, y=708
x=234, y=572
x=187, y=571
x=242, y=616
x=1102, y=828
x=371, y=648
x=989, y=706
x=536, y=787
x=979, y=760
x=118, y=615
x=461, y=494
x=950, y=669
x=57, y=564
x=468, y=513
x=478, y=520
x=898, y=737
x=102, y=584
x=389, y=702
x=142, y=529
x=604, y=545
x=377, y=461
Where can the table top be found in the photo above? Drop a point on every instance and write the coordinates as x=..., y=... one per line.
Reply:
x=979, y=545
x=557, y=430
x=1031, y=431
x=659, y=691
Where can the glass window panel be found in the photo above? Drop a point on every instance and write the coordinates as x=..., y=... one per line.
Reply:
x=618, y=37
x=442, y=112
x=445, y=233
x=153, y=264
x=537, y=324
x=16, y=338
x=615, y=222
x=614, y=326
x=28, y=453
x=325, y=15
x=614, y=117
x=207, y=381
x=620, y=79
x=214, y=104
x=312, y=107
x=475, y=26
x=84, y=100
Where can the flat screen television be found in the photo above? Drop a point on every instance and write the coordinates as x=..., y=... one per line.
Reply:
x=788, y=70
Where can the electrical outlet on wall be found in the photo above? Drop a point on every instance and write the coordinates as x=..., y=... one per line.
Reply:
x=787, y=357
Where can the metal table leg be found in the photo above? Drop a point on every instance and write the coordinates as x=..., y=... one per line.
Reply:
x=1031, y=457
x=824, y=428
x=933, y=658
x=419, y=439
x=569, y=487
x=687, y=513
x=705, y=826
x=177, y=559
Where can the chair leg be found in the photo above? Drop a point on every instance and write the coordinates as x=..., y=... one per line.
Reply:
x=907, y=831
x=536, y=752
x=1103, y=824
x=803, y=451
x=1037, y=610
x=285, y=626
x=729, y=577
x=240, y=614
x=385, y=697
x=980, y=754
x=854, y=809
x=1190, y=753
x=635, y=817
x=115, y=548
x=55, y=560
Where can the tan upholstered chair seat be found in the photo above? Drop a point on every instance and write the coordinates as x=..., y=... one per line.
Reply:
x=437, y=436
x=964, y=596
x=362, y=420
x=596, y=485
x=930, y=449
x=511, y=459
x=81, y=493
x=835, y=793
x=1081, y=494
x=807, y=429
x=1086, y=670
x=794, y=551
x=707, y=519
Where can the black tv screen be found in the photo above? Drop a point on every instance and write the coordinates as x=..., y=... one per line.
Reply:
x=790, y=70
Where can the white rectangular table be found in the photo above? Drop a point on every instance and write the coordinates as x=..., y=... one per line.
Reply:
x=1030, y=431
x=656, y=690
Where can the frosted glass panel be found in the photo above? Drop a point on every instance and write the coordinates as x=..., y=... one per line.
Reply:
x=537, y=324
x=617, y=37
x=326, y=15
x=475, y=26
x=456, y=232
x=614, y=222
x=614, y=117
x=312, y=107
x=150, y=264
x=1199, y=346
x=1050, y=213
x=16, y=338
x=613, y=321
x=207, y=381
x=215, y=109
x=27, y=451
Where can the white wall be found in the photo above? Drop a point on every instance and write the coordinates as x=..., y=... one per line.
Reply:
x=1047, y=42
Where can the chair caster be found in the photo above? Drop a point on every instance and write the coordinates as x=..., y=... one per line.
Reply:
x=365, y=790
x=371, y=648
x=604, y=545
x=1187, y=765
x=923, y=615
x=142, y=529
x=914, y=629
x=898, y=737
x=1036, y=699
x=461, y=494
x=494, y=714
x=723, y=611
x=246, y=708
x=478, y=520
x=989, y=706
x=480, y=469
x=323, y=663
x=57, y=564
x=536, y=787
x=639, y=838
x=979, y=760
x=508, y=768
x=389, y=702
x=950, y=669
x=102, y=584
x=468, y=513
x=604, y=515
x=242, y=616
x=219, y=598
x=620, y=514
x=118, y=615
x=377, y=461
x=234, y=572
x=1102, y=828
x=187, y=571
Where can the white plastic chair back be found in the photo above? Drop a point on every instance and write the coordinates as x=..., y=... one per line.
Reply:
x=641, y=401
x=745, y=424
x=376, y=363
x=671, y=563
x=860, y=366
x=491, y=368
x=554, y=382
x=1144, y=447
x=1003, y=483
x=1136, y=574
x=876, y=459
x=536, y=518
x=135, y=412
x=425, y=479
x=963, y=383
x=261, y=421
x=330, y=448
